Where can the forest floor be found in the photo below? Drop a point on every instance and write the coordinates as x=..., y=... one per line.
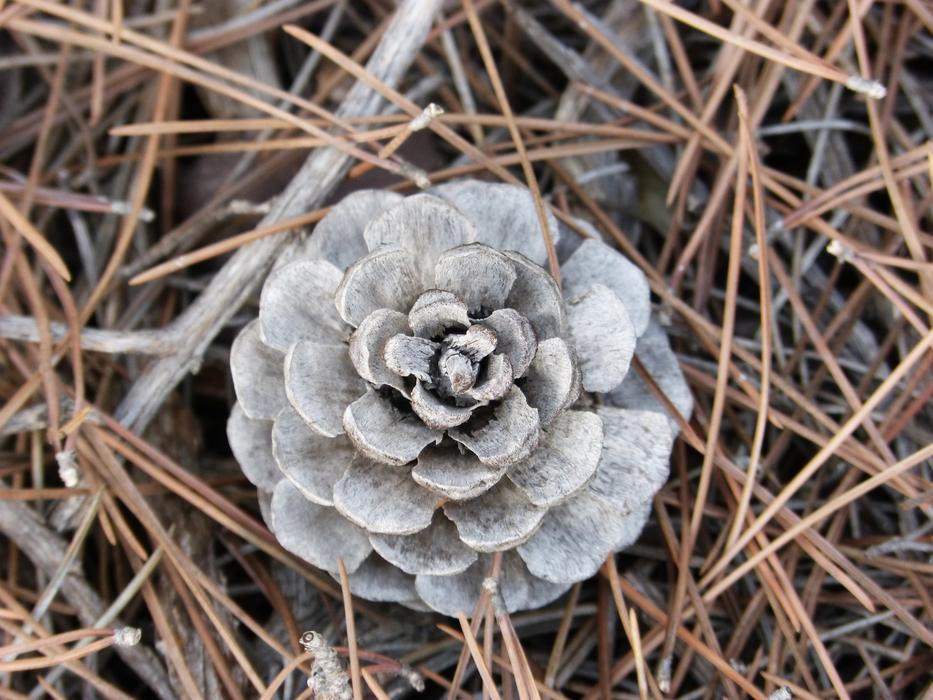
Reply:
x=767, y=165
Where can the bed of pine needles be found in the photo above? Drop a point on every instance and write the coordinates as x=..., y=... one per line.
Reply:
x=767, y=164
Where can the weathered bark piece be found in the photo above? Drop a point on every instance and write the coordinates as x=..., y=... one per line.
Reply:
x=435, y=312
x=257, y=374
x=425, y=226
x=297, y=303
x=251, y=443
x=378, y=580
x=453, y=474
x=316, y=533
x=502, y=518
x=407, y=355
x=535, y=296
x=504, y=216
x=361, y=494
x=435, y=413
x=509, y=436
x=515, y=338
x=338, y=237
x=566, y=459
x=368, y=345
x=436, y=550
x=312, y=462
x=321, y=382
x=593, y=263
x=107, y=340
x=480, y=276
x=382, y=433
x=552, y=382
x=497, y=381
x=654, y=351
x=603, y=337
x=385, y=279
x=635, y=459
x=574, y=539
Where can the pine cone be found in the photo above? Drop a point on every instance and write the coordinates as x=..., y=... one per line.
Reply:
x=417, y=394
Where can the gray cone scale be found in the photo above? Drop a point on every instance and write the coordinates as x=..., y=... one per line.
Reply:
x=417, y=395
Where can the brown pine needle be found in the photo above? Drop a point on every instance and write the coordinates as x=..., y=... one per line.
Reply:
x=639, y=656
x=764, y=299
x=560, y=639
x=813, y=67
x=77, y=652
x=630, y=626
x=373, y=685
x=430, y=113
x=489, y=685
x=211, y=126
x=690, y=639
x=503, y=100
x=34, y=237
x=719, y=398
x=54, y=640
x=821, y=513
x=230, y=244
x=355, y=677
x=824, y=453
x=197, y=78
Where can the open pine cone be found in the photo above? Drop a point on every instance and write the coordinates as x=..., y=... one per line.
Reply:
x=417, y=394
